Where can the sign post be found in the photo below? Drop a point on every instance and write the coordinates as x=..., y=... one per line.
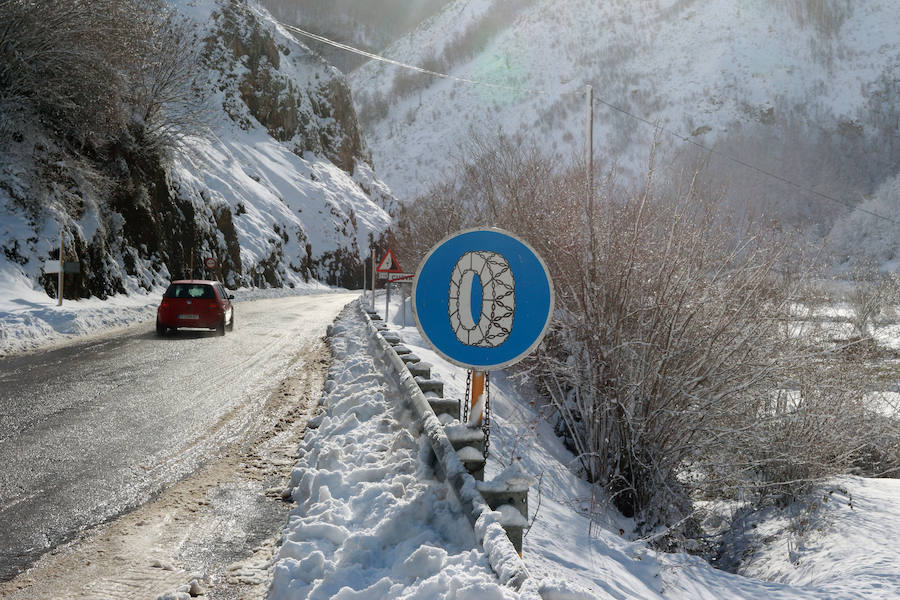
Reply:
x=483, y=299
x=59, y=285
x=476, y=413
x=404, y=279
x=387, y=268
x=61, y=267
x=403, y=303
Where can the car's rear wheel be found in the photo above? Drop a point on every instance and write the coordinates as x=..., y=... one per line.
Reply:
x=231, y=324
x=160, y=329
x=220, y=330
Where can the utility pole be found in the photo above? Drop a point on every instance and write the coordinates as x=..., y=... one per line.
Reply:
x=590, y=169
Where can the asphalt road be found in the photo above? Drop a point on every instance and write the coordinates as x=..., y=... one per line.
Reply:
x=91, y=430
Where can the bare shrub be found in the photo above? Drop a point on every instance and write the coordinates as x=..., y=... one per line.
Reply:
x=166, y=83
x=66, y=59
x=93, y=71
x=874, y=292
x=673, y=360
x=674, y=327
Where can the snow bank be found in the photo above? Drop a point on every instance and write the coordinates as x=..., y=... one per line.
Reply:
x=487, y=524
x=844, y=543
x=571, y=556
x=29, y=319
x=371, y=520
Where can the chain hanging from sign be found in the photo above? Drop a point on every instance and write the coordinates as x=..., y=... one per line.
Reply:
x=465, y=415
x=486, y=420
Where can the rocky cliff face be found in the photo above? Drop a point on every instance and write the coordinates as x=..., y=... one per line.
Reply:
x=275, y=183
x=319, y=118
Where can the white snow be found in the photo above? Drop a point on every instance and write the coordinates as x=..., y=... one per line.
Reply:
x=372, y=521
x=843, y=544
x=266, y=184
x=29, y=319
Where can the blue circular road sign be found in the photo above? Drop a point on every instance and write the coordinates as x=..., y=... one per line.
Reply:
x=482, y=298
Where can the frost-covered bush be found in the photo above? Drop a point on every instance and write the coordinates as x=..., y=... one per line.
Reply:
x=872, y=231
x=90, y=72
x=874, y=292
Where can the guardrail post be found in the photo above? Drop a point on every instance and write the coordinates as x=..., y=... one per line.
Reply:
x=511, y=500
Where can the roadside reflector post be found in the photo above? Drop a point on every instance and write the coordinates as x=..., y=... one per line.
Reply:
x=476, y=413
x=59, y=279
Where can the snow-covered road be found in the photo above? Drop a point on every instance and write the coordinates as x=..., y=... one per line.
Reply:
x=90, y=430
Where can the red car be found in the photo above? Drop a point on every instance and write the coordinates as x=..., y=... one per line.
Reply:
x=196, y=304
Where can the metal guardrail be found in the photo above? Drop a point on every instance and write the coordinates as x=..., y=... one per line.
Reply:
x=502, y=555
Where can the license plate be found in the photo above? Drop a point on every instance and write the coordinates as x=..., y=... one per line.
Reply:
x=188, y=317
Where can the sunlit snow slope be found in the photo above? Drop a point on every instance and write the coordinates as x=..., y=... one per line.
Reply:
x=274, y=182
x=704, y=69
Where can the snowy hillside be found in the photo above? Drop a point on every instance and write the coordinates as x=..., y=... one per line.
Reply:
x=806, y=89
x=285, y=156
x=273, y=181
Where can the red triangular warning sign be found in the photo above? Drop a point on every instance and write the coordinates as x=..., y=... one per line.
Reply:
x=389, y=264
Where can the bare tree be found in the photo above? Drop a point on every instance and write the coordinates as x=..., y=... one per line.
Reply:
x=167, y=84
x=90, y=71
x=873, y=293
x=65, y=61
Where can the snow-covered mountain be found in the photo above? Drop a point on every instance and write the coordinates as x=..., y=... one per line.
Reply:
x=807, y=89
x=277, y=185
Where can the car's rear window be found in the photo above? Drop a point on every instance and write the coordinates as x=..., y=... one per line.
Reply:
x=190, y=290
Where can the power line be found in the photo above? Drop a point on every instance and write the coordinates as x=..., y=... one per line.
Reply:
x=391, y=61
x=609, y=105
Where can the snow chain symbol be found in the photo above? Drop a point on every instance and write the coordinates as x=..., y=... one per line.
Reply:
x=498, y=303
